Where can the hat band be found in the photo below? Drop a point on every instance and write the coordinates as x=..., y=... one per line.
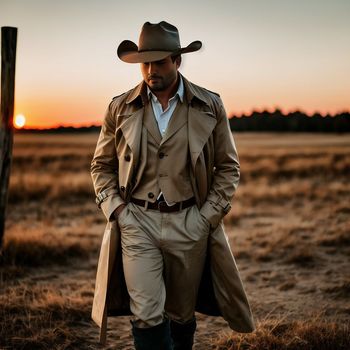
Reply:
x=162, y=49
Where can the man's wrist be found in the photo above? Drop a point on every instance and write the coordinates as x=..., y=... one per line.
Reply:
x=118, y=210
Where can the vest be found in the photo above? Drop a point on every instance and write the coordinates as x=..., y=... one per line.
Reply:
x=164, y=166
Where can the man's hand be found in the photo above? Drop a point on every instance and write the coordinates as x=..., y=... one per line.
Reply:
x=118, y=210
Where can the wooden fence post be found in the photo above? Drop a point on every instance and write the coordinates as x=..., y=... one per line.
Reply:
x=8, y=65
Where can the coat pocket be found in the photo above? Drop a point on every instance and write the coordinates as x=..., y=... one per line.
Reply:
x=123, y=215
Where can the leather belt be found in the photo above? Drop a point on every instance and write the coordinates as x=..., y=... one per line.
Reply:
x=162, y=206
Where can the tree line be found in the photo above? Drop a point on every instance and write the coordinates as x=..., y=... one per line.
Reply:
x=256, y=121
x=292, y=122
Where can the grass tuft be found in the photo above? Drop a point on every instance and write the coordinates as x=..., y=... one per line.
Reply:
x=296, y=335
x=41, y=318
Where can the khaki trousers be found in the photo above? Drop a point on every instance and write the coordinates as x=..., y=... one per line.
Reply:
x=163, y=259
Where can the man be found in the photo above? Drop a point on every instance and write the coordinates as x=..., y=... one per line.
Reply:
x=165, y=170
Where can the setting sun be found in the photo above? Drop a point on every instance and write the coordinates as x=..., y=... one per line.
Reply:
x=20, y=121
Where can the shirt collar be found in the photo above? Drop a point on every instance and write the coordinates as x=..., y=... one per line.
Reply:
x=180, y=92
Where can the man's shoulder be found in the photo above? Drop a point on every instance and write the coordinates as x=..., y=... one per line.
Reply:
x=119, y=103
x=122, y=94
x=204, y=94
x=212, y=95
x=205, y=90
x=121, y=98
x=130, y=96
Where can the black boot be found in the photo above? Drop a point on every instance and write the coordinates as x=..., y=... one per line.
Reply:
x=182, y=334
x=153, y=338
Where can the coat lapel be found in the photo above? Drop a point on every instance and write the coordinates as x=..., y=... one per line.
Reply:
x=150, y=123
x=131, y=128
x=176, y=122
x=200, y=127
x=200, y=123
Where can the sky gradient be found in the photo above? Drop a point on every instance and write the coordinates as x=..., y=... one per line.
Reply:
x=256, y=54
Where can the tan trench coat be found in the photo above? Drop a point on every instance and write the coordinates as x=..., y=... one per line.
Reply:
x=214, y=177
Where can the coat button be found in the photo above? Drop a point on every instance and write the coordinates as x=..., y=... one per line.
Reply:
x=122, y=188
x=161, y=155
x=150, y=195
x=127, y=157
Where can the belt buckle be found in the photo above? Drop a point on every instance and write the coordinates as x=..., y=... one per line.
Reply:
x=162, y=204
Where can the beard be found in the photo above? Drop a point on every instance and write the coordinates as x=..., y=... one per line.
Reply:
x=156, y=83
x=160, y=83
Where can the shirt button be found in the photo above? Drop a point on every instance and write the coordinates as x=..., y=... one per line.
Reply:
x=150, y=195
x=122, y=188
x=161, y=155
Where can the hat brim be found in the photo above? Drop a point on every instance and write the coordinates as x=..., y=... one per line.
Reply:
x=128, y=52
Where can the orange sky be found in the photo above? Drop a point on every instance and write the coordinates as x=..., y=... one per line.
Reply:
x=256, y=54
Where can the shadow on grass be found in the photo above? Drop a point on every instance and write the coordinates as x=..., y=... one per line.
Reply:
x=33, y=253
x=21, y=252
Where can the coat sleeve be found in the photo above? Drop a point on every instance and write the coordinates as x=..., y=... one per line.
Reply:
x=226, y=171
x=104, y=168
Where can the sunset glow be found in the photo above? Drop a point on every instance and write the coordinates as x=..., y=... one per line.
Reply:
x=256, y=54
x=19, y=121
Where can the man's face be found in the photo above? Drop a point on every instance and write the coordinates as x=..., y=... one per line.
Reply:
x=160, y=75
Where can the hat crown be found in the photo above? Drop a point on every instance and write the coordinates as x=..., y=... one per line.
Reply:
x=161, y=36
x=156, y=42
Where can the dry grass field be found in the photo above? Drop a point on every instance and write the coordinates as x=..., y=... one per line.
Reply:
x=289, y=229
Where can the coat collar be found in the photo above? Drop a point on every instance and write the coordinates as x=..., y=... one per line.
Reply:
x=192, y=91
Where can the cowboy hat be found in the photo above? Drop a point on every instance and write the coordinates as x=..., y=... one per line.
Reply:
x=156, y=42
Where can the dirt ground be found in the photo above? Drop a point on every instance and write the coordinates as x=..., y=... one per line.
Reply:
x=289, y=230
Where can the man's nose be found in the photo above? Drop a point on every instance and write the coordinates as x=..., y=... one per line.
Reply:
x=151, y=68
